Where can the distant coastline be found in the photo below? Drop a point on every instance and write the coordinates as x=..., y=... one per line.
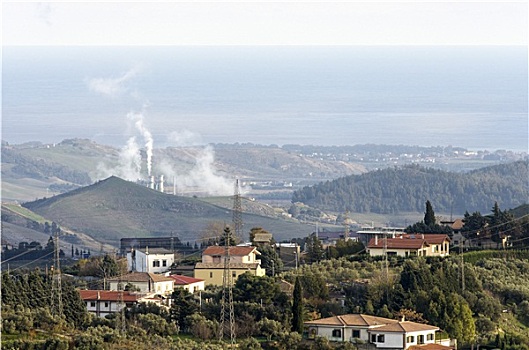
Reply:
x=473, y=97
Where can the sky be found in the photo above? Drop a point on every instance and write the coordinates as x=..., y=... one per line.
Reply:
x=265, y=23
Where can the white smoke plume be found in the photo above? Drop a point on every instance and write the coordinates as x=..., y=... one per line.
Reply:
x=137, y=118
x=112, y=87
x=202, y=178
x=129, y=163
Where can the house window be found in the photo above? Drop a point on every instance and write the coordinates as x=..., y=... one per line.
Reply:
x=156, y=263
x=380, y=338
x=92, y=304
x=420, y=339
x=211, y=275
x=410, y=339
x=234, y=274
x=429, y=336
x=337, y=333
x=164, y=263
x=356, y=333
x=373, y=338
x=106, y=303
x=312, y=333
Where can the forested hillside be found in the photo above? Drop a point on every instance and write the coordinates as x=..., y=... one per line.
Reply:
x=407, y=188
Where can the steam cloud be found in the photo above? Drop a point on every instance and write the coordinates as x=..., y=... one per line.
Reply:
x=137, y=118
x=201, y=178
x=129, y=163
x=111, y=87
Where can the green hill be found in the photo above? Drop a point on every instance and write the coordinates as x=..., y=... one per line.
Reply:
x=114, y=208
x=406, y=189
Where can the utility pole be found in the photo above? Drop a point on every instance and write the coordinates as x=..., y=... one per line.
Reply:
x=56, y=287
x=227, y=317
x=237, y=212
x=462, y=263
x=121, y=323
x=346, y=226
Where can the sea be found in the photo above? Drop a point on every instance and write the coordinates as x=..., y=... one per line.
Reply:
x=466, y=96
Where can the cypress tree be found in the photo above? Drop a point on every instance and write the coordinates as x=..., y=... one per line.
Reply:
x=297, y=308
x=429, y=215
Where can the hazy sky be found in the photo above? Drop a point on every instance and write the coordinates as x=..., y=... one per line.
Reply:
x=264, y=23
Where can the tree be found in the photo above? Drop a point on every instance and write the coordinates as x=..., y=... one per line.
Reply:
x=183, y=305
x=229, y=235
x=270, y=260
x=256, y=289
x=429, y=215
x=297, y=308
x=269, y=328
x=314, y=248
x=212, y=232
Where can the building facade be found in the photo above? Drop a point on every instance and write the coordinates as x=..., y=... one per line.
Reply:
x=144, y=282
x=410, y=245
x=156, y=260
x=379, y=332
x=242, y=259
x=190, y=284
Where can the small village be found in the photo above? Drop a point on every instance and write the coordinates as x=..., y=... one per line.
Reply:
x=190, y=290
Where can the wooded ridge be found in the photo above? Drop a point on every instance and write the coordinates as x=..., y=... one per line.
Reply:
x=405, y=189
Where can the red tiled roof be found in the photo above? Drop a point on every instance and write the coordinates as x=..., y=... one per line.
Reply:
x=235, y=251
x=406, y=326
x=398, y=243
x=107, y=295
x=430, y=346
x=431, y=238
x=184, y=280
x=141, y=277
x=353, y=320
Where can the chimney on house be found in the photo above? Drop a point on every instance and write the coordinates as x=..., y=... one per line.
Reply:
x=376, y=239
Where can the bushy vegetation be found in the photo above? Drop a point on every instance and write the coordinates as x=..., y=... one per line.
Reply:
x=489, y=307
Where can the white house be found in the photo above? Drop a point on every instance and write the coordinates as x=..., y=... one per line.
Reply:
x=144, y=282
x=188, y=283
x=105, y=302
x=157, y=260
x=383, y=333
x=405, y=245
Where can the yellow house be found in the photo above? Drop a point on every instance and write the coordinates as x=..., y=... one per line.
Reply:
x=242, y=259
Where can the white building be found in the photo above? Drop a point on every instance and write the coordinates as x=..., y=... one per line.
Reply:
x=383, y=333
x=104, y=302
x=188, y=283
x=144, y=282
x=428, y=244
x=156, y=260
